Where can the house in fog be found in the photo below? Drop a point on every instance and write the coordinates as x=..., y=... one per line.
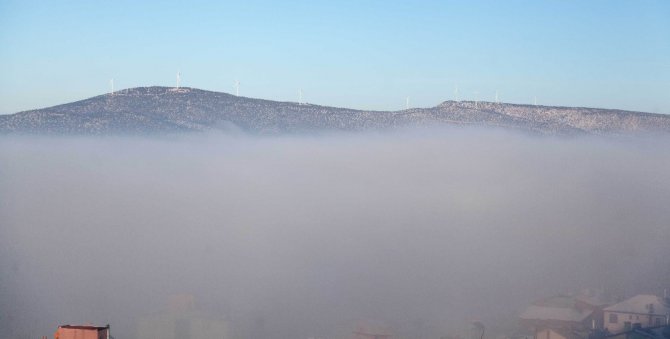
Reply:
x=643, y=310
x=558, y=313
x=82, y=332
x=371, y=330
x=181, y=320
x=595, y=300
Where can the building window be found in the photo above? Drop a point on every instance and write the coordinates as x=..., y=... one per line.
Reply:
x=614, y=318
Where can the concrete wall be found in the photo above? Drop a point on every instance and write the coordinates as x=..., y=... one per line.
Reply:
x=646, y=320
x=548, y=334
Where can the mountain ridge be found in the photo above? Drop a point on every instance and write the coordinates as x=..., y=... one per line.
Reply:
x=158, y=109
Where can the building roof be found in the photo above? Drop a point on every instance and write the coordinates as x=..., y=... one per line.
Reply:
x=534, y=312
x=85, y=327
x=596, y=297
x=641, y=304
x=372, y=328
x=561, y=300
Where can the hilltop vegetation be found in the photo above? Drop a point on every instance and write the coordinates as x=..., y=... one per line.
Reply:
x=170, y=110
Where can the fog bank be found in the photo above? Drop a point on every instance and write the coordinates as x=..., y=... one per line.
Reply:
x=426, y=230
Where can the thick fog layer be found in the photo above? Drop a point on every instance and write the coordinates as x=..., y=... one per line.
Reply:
x=297, y=237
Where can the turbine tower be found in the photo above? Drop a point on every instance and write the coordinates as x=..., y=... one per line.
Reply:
x=497, y=97
x=535, y=100
x=476, y=98
x=456, y=93
x=299, y=96
x=237, y=88
x=178, y=79
x=407, y=103
x=111, y=84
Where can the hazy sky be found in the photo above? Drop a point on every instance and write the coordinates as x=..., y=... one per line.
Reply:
x=369, y=54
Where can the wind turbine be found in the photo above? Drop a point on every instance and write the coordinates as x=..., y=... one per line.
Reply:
x=178, y=79
x=111, y=84
x=407, y=103
x=456, y=93
x=535, y=100
x=237, y=88
x=476, y=98
x=299, y=96
x=497, y=97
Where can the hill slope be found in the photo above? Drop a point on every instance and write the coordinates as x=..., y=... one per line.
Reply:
x=167, y=110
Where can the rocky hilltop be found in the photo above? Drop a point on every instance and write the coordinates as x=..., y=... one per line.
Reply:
x=170, y=110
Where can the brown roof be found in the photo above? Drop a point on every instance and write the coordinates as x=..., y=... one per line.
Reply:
x=84, y=327
x=534, y=312
x=640, y=304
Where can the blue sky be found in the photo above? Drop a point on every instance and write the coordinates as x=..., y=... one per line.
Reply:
x=360, y=54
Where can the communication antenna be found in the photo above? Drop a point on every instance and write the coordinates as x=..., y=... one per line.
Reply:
x=497, y=97
x=407, y=103
x=476, y=98
x=237, y=88
x=300, y=97
x=111, y=84
x=178, y=79
x=535, y=100
x=456, y=93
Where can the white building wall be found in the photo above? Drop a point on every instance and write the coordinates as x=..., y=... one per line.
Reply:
x=622, y=318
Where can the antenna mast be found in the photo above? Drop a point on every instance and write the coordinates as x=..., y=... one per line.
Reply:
x=299, y=96
x=407, y=103
x=237, y=88
x=111, y=84
x=535, y=100
x=456, y=93
x=476, y=98
x=497, y=97
x=178, y=79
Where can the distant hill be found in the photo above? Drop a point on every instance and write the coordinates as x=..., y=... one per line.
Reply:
x=169, y=110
